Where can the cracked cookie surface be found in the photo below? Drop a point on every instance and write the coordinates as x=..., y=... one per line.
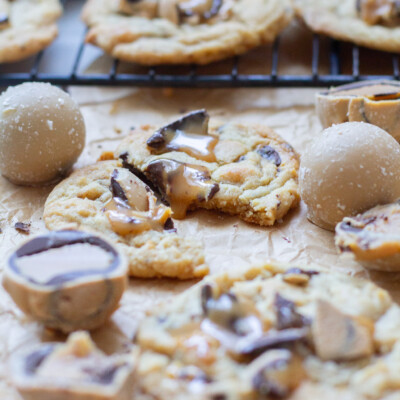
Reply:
x=154, y=32
x=27, y=27
x=273, y=331
x=108, y=199
x=243, y=170
x=341, y=20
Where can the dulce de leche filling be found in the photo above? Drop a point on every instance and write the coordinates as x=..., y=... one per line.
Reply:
x=133, y=209
x=188, y=134
x=181, y=184
x=383, y=12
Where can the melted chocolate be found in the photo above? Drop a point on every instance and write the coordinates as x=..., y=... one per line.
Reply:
x=274, y=340
x=35, y=359
x=287, y=316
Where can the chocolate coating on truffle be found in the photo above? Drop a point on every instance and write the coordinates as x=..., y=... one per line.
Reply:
x=68, y=280
x=349, y=169
x=42, y=133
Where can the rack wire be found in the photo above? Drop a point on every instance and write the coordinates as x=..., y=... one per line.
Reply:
x=193, y=77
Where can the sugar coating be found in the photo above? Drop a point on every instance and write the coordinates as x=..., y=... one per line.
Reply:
x=349, y=169
x=42, y=133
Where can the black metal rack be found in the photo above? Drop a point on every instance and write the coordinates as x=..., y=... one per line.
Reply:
x=192, y=77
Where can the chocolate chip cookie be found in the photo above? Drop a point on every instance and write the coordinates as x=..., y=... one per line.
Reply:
x=26, y=27
x=372, y=238
x=369, y=23
x=273, y=332
x=238, y=169
x=110, y=200
x=154, y=32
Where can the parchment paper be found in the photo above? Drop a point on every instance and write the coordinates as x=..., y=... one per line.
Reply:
x=109, y=113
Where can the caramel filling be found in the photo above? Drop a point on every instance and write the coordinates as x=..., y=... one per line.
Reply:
x=385, y=12
x=197, y=146
x=182, y=184
x=189, y=135
x=373, y=92
x=132, y=209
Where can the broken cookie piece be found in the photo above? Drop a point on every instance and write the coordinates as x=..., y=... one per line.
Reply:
x=375, y=102
x=75, y=370
x=109, y=199
x=67, y=280
x=340, y=337
x=244, y=170
x=372, y=238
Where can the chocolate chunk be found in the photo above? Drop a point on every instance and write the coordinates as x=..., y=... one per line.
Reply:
x=181, y=184
x=116, y=188
x=105, y=376
x=301, y=271
x=169, y=225
x=21, y=227
x=287, y=316
x=3, y=19
x=270, y=154
x=277, y=373
x=206, y=296
x=348, y=227
x=35, y=359
x=274, y=340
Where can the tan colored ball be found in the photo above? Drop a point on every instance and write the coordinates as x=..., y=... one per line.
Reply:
x=42, y=133
x=349, y=169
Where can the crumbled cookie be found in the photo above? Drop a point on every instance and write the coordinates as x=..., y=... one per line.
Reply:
x=372, y=238
x=154, y=32
x=239, y=169
x=354, y=21
x=252, y=334
x=108, y=199
x=26, y=27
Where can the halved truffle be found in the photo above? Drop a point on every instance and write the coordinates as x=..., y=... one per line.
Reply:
x=68, y=280
x=375, y=102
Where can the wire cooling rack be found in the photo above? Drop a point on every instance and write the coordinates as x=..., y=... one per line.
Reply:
x=322, y=62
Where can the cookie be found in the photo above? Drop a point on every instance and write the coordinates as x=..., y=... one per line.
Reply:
x=243, y=170
x=372, y=238
x=375, y=102
x=26, y=27
x=108, y=199
x=273, y=332
x=343, y=20
x=154, y=32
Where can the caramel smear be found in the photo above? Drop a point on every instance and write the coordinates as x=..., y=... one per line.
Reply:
x=189, y=135
x=133, y=209
x=374, y=12
x=181, y=184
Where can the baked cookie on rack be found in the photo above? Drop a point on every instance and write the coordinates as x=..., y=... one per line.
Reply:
x=273, y=332
x=369, y=23
x=153, y=32
x=27, y=27
x=244, y=170
x=108, y=199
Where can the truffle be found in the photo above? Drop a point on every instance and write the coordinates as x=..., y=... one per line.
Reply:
x=349, y=169
x=68, y=280
x=42, y=133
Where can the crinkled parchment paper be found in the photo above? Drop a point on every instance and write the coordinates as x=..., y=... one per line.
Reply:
x=109, y=113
